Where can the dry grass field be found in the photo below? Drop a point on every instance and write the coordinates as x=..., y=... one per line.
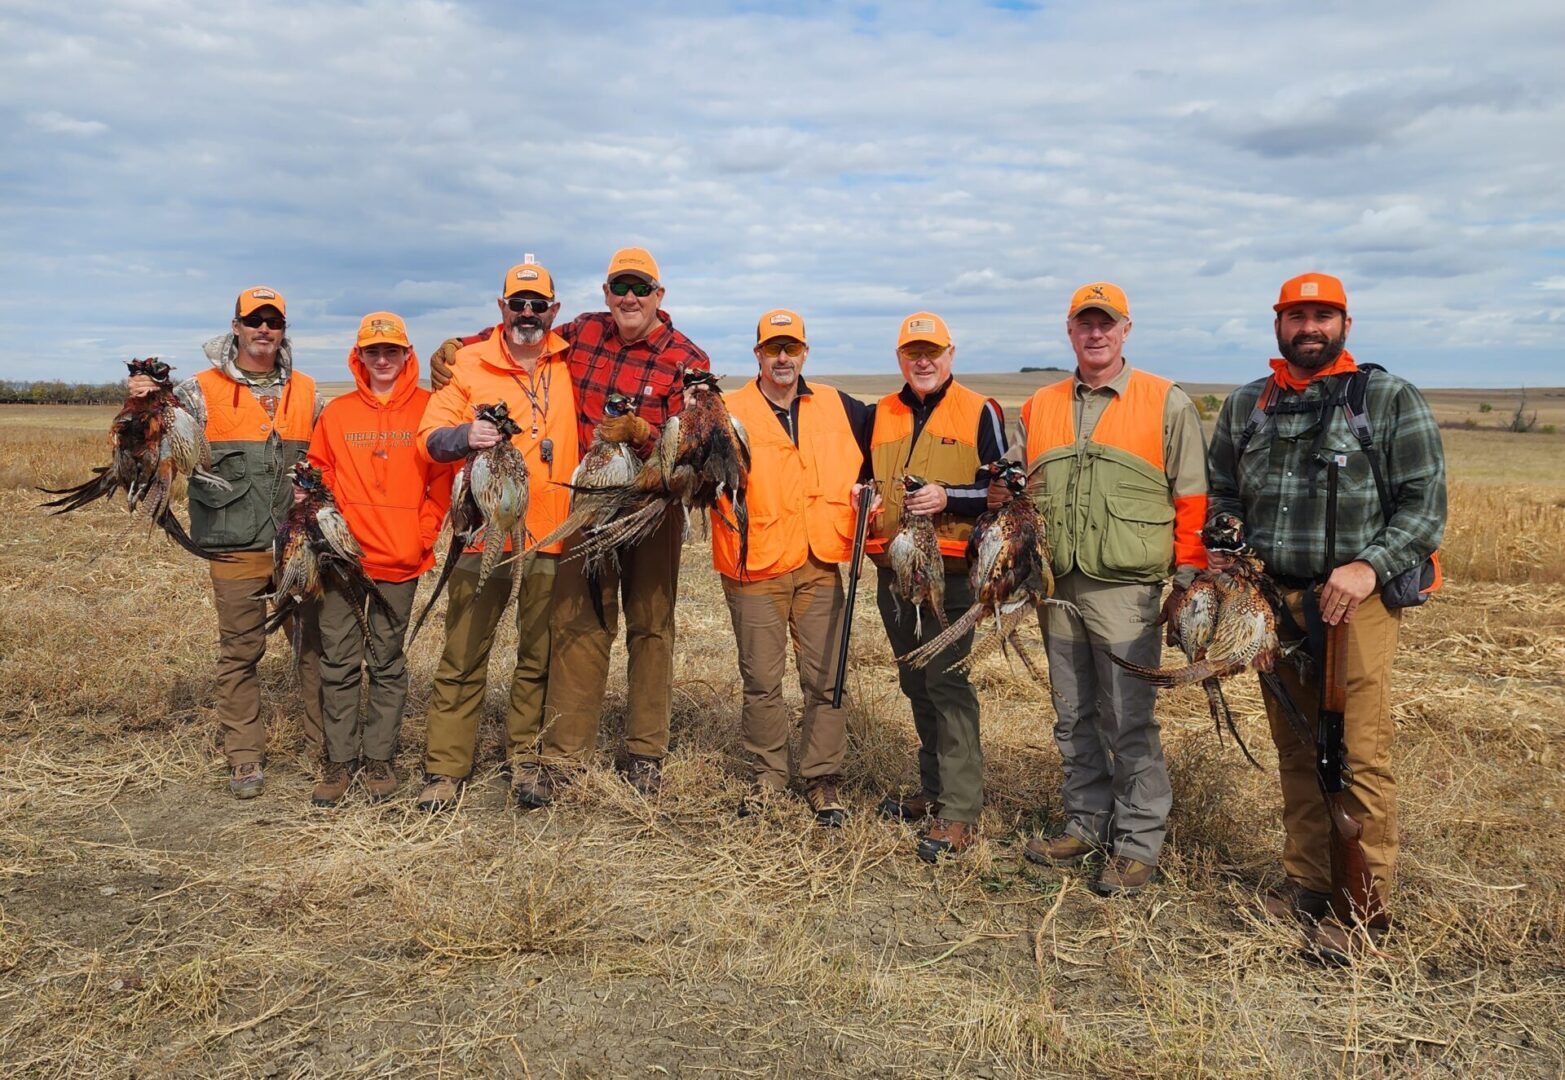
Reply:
x=151, y=925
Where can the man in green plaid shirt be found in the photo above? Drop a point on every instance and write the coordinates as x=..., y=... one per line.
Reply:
x=1274, y=480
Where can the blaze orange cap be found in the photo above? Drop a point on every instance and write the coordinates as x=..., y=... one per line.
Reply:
x=382, y=327
x=638, y=261
x=527, y=277
x=924, y=326
x=780, y=322
x=1312, y=289
x=1103, y=295
x=259, y=296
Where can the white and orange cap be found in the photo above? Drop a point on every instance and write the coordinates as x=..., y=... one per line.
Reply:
x=257, y=297
x=1103, y=295
x=780, y=323
x=527, y=277
x=382, y=327
x=633, y=260
x=924, y=326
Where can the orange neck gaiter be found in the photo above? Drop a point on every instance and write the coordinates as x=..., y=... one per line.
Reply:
x=1285, y=379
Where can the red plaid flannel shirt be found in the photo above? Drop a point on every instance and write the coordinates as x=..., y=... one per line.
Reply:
x=650, y=370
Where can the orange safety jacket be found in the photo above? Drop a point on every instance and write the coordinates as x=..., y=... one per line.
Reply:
x=543, y=404
x=799, y=497
x=253, y=450
x=1106, y=502
x=946, y=451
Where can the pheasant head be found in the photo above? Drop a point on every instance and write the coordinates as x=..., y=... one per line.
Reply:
x=499, y=415
x=1012, y=475
x=1224, y=533
x=701, y=382
x=307, y=479
x=153, y=368
x=911, y=483
x=617, y=404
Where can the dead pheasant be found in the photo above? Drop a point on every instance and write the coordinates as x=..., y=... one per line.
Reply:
x=1008, y=569
x=605, y=465
x=1225, y=623
x=916, y=562
x=702, y=455
x=313, y=548
x=152, y=439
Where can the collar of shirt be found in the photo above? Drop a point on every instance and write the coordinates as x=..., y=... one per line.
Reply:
x=910, y=399
x=787, y=415
x=1116, y=385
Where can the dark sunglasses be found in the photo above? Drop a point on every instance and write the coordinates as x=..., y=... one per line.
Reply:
x=637, y=288
x=773, y=349
x=271, y=322
x=527, y=303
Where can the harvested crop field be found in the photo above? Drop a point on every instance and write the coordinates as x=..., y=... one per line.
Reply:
x=151, y=925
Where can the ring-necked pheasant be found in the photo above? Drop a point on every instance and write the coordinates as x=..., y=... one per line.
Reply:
x=604, y=467
x=488, y=501
x=916, y=563
x=314, y=547
x=1008, y=569
x=152, y=439
x=1225, y=624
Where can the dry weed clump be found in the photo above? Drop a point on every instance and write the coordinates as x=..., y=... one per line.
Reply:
x=1505, y=533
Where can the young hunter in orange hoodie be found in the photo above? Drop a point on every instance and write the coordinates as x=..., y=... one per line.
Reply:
x=394, y=500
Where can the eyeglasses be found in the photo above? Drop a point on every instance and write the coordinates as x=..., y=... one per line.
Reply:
x=921, y=351
x=271, y=322
x=638, y=288
x=773, y=349
x=526, y=303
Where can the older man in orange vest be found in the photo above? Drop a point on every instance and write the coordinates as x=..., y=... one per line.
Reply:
x=936, y=429
x=1119, y=472
x=807, y=449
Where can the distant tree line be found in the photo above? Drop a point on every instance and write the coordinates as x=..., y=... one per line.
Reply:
x=55, y=392
x=1049, y=368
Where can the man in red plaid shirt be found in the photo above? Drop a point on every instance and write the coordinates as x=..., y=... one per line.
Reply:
x=632, y=349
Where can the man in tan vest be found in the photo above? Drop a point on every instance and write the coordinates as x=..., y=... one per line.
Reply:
x=1118, y=469
x=808, y=445
x=936, y=429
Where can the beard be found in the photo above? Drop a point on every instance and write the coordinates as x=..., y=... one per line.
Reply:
x=1331, y=348
x=257, y=350
x=526, y=330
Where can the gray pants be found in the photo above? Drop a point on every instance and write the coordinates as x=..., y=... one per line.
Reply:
x=945, y=706
x=344, y=659
x=1116, y=789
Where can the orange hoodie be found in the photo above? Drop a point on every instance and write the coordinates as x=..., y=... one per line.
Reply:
x=393, y=497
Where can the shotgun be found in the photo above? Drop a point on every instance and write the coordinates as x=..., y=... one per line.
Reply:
x=1353, y=895
x=860, y=531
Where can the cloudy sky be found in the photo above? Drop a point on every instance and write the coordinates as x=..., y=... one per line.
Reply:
x=854, y=161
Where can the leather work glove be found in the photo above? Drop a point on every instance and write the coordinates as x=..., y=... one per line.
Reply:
x=440, y=362
x=629, y=428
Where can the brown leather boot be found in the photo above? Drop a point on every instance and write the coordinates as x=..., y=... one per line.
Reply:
x=333, y=784
x=946, y=837
x=824, y=801
x=440, y=793
x=534, y=786
x=1124, y=876
x=380, y=779
x=1292, y=902
x=1060, y=850
x=1332, y=943
x=645, y=774
x=913, y=808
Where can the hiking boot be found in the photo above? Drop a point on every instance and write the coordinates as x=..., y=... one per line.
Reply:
x=1123, y=876
x=1061, y=849
x=333, y=784
x=645, y=774
x=246, y=781
x=380, y=779
x=913, y=808
x=1292, y=902
x=1332, y=943
x=822, y=797
x=757, y=799
x=946, y=837
x=534, y=786
x=440, y=793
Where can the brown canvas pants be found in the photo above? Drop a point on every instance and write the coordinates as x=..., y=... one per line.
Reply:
x=240, y=646
x=1372, y=798
x=345, y=659
x=807, y=604
x=457, y=701
x=648, y=582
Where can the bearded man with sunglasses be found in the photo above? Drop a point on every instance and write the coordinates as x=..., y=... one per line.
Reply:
x=259, y=414
x=808, y=446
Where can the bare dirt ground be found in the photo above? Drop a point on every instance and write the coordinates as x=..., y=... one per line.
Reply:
x=150, y=925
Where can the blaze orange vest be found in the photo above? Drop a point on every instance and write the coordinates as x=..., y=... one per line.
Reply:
x=799, y=496
x=946, y=451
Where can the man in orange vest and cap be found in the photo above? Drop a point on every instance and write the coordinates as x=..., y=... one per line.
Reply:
x=807, y=450
x=259, y=413
x=940, y=431
x=1118, y=467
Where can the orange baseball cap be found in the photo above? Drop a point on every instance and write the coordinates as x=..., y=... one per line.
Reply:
x=1103, y=295
x=780, y=322
x=1312, y=289
x=527, y=277
x=638, y=261
x=924, y=326
x=382, y=327
x=259, y=296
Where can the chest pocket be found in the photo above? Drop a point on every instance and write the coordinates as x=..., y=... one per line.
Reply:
x=226, y=519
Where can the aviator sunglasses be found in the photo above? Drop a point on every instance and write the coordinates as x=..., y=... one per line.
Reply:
x=773, y=349
x=525, y=303
x=271, y=322
x=637, y=288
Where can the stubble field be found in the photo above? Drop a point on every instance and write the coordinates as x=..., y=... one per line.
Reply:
x=151, y=925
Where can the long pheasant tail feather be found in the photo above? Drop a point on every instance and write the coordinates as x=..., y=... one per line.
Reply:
x=1215, y=687
x=1167, y=677
x=360, y=598
x=1003, y=633
x=742, y=518
x=74, y=498
x=921, y=656
x=453, y=553
x=494, y=549
x=176, y=532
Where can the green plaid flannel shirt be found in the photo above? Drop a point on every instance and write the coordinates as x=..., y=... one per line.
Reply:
x=1280, y=493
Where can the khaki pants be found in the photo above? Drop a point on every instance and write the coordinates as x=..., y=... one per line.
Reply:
x=1368, y=732
x=457, y=701
x=945, y=706
x=806, y=603
x=1116, y=789
x=344, y=659
x=648, y=581
x=240, y=646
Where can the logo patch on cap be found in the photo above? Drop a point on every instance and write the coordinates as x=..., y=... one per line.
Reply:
x=1097, y=293
x=262, y=294
x=383, y=326
x=527, y=275
x=782, y=320
x=921, y=326
x=1309, y=288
